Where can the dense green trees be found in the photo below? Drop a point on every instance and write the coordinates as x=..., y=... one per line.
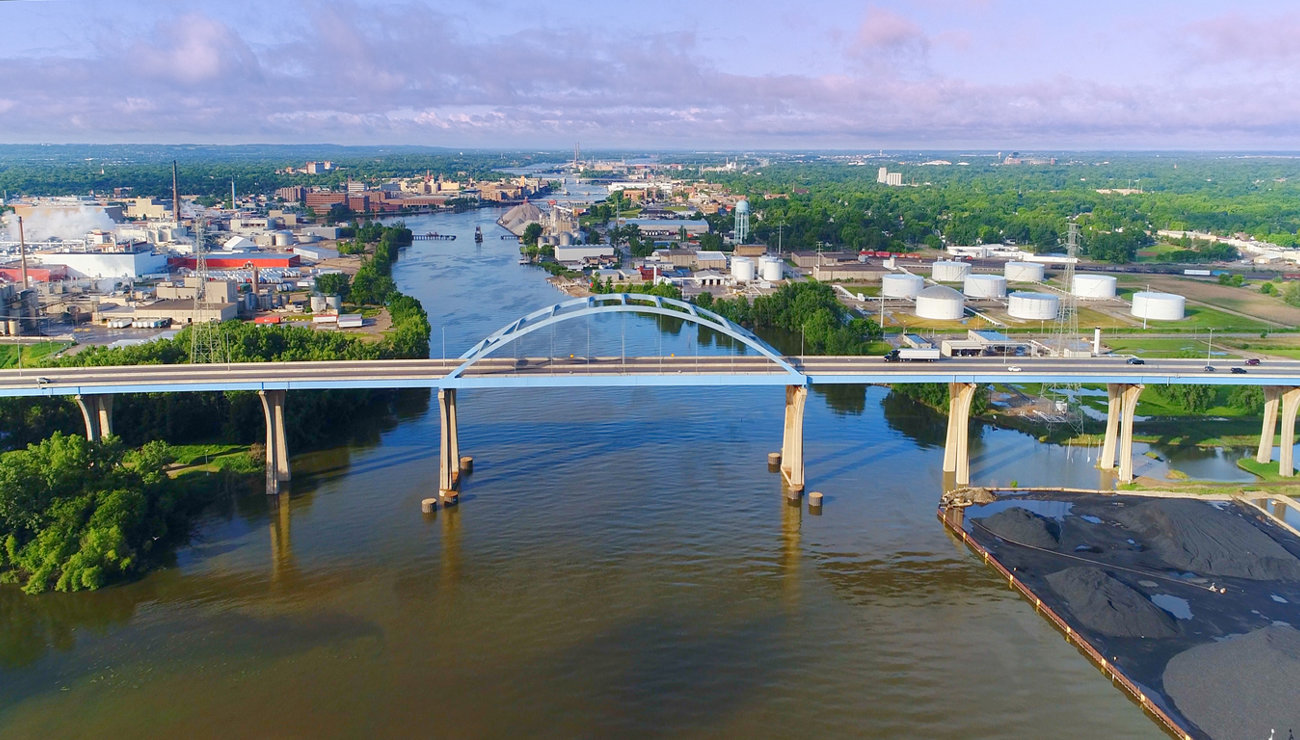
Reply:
x=334, y=283
x=77, y=515
x=809, y=308
x=532, y=232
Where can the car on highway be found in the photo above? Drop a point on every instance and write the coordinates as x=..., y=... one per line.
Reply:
x=1136, y=361
x=1253, y=361
x=1013, y=369
x=1209, y=368
x=1239, y=370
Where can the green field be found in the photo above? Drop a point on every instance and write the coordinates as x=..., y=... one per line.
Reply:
x=33, y=355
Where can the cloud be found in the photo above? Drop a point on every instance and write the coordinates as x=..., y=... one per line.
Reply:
x=1234, y=38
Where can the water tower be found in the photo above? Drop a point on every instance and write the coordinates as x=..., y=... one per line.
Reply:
x=740, y=231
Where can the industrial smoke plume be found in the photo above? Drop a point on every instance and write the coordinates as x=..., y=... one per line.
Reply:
x=41, y=224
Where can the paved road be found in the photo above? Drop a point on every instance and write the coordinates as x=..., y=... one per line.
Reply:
x=615, y=371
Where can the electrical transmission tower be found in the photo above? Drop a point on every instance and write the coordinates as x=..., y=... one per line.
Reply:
x=1065, y=397
x=207, y=340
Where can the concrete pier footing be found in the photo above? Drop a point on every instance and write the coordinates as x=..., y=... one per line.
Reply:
x=1122, y=400
x=449, y=460
x=956, y=449
x=792, y=440
x=277, y=445
x=97, y=412
x=1287, y=400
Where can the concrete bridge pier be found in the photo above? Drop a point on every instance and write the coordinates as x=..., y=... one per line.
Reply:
x=792, y=439
x=449, y=452
x=277, y=445
x=1122, y=400
x=956, y=450
x=1272, y=400
x=97, y=411
x=1290, y=403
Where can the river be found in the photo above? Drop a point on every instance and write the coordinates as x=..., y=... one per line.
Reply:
x=621, y=564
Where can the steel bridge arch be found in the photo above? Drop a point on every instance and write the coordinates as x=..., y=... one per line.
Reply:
x=622, y=303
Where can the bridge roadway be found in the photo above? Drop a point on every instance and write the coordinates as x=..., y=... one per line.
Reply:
x=708, y=370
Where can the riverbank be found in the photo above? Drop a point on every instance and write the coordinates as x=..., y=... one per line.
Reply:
x=1188, y=604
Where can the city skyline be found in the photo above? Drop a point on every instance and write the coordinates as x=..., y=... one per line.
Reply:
x=926, y=74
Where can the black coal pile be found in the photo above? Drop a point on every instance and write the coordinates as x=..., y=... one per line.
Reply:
x=1197, y=537
x=1243, y=687
x=1104, y=604
x=1022, y=526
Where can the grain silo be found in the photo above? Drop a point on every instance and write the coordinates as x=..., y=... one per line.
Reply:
x=948, y=271
x=1024, y=272
x=1094, y=286
x=901, y=285
x=1159, y=306
x=1037, y=306
x=940, y=302
x=985, y=286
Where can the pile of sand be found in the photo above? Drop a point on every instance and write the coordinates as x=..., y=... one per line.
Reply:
x=1243, y=687
x=1106, y=605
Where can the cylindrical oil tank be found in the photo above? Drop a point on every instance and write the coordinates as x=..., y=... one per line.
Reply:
x=985, y=286
x=940, y=302
x=1024, y=272
x=770, y=268
x=947, y=271
x=566, y=239
x=901, y=285
x=1158, y=306
x=1039, y=306
x=334, y=303
x=282, y=239
x=317, y=303
x=742, y=269
x=1094, y=286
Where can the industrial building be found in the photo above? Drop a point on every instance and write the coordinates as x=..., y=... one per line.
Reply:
x=661, y=227
x=984, y=343
x=579, y=252
x=117, y=261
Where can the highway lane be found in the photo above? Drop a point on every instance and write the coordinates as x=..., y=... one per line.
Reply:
x=596, y=371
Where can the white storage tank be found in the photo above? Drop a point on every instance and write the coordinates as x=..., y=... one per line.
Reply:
x=901, y=285
x=282, y=238
x=317, y=303
x=940, y=302
x=1094, y=286
x=742, y=269
x=1159, y=306
x=1039, y=306
x=1024, y=272
x=770, y=268
x=947, y=271
x=333, y=303
x=985, y=286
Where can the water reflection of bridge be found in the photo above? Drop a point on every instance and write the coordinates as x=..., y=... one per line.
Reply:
x=758, y=365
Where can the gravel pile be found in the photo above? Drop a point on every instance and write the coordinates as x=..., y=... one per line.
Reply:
x=1243, y=687
x=1022, y=526
x=1102, y=603
x=1198, y=537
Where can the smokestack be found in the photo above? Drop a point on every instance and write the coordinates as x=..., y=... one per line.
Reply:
x=176, y=196
x=1096, y=342
x=232, y=193
x=22, y=252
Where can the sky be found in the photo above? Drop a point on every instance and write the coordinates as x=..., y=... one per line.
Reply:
x=702, y=74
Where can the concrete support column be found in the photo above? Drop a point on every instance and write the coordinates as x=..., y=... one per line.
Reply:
x=97, y=412
x=792, y=439
x=1113, y=393
x=956, y=450
x=1290, y=403
x=277, y=445
x=449, y=452
x=1130, y=402
x=1272, y=399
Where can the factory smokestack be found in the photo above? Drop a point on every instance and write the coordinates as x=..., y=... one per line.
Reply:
x=22, y=251
x=176, y=197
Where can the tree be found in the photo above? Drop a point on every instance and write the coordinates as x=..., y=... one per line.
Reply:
x=532, y=232
x=1268, y=289
x=1291, y=293
x=334, y=283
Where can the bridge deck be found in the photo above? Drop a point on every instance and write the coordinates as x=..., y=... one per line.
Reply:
x=615, y=371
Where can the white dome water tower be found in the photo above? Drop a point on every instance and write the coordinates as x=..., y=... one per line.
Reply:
x=947, y=271
x=901, y=285
x=940, y=302
x=1024, y=272
x=1093, y=286
x=742, y=269
x=771, y=269
x=985, y=286
x=1036, y=306
x=1159, y=306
